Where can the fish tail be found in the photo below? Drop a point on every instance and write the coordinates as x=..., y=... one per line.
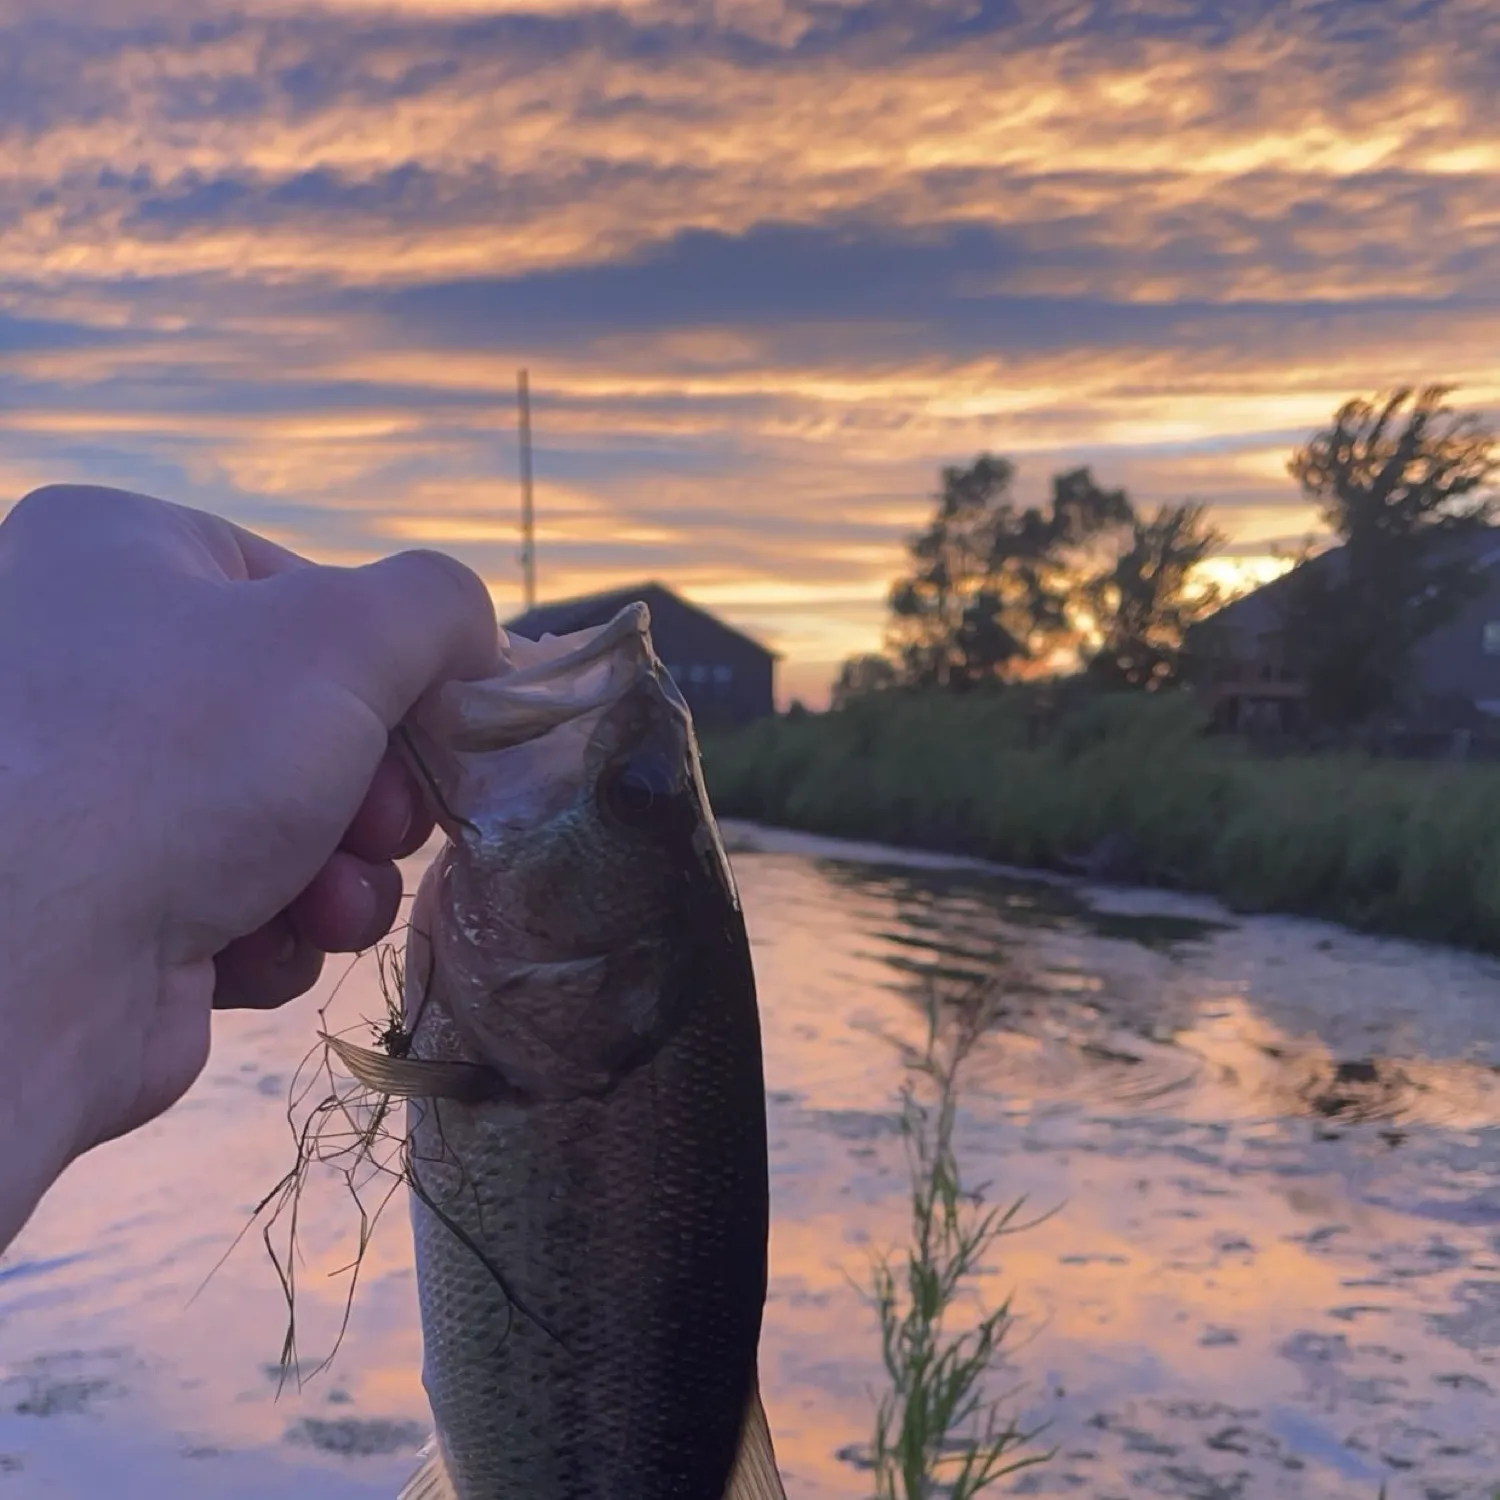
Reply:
x=431, y=1481
x=755, y=1476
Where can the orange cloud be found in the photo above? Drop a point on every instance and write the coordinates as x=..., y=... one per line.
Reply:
x=1164, y=258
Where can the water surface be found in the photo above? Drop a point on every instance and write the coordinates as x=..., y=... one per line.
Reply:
x=1271, y=1146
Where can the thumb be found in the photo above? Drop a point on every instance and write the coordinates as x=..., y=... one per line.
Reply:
x=389, y=631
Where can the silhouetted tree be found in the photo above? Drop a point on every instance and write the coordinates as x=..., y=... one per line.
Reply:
x=860, y=676
x=990, y=587
x=1401, y=480
x=1143, y=606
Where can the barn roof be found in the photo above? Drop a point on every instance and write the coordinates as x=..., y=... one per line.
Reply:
x=565, y=615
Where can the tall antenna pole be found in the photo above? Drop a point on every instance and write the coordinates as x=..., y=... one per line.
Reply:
x=528, y=516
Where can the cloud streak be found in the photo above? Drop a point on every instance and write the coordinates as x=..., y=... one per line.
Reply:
x=769, y=271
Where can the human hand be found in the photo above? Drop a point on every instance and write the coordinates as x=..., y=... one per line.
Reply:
x=197, y=797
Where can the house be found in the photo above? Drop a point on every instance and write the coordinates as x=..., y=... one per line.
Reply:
x=727, y=678
x=1244, y=672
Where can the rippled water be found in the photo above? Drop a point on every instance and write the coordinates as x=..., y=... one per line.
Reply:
x=1272, y=1147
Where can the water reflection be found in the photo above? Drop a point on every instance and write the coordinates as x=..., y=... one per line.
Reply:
x=1096, y=1035
x=1273, y=1272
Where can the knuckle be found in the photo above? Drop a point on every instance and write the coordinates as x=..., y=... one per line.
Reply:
x=450, y=573
x=52, y=503
x=78, y=514
x=62, y=501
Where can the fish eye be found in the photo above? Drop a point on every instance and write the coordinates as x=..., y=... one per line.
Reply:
x=638, y=793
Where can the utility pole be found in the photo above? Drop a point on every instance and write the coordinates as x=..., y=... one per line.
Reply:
x=528, y=517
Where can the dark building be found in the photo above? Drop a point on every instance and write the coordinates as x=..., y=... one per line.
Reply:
x=1455, y=678
x=726, y=677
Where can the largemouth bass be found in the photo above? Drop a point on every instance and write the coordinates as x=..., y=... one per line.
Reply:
x=586, y=1126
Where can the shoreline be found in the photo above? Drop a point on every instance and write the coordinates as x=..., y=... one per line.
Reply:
x=1130, y=794
x=1106, y=898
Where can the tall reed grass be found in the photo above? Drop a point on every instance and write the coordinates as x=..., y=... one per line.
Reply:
x=1404, y=848
x=938, y=1431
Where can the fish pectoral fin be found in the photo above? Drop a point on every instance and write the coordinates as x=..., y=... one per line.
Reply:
x=754, y=1476
x=416, y=1077
x=431, y=1481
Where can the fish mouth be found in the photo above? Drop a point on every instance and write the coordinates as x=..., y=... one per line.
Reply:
x=593, y=675
x=546, y=683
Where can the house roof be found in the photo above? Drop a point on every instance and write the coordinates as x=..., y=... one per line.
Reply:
x=565, y=615
x=1259, y=610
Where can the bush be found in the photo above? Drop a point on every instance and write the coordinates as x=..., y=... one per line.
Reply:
x=1130, y=786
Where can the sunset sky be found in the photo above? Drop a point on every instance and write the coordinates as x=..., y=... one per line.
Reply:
x=770, y=263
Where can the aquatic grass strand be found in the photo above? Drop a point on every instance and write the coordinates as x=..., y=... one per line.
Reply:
x=339, y=1129
x=936, y=1431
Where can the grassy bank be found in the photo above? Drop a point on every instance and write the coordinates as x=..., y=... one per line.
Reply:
x=1131, y=788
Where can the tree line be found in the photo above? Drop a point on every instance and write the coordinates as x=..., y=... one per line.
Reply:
x=1087, y=585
